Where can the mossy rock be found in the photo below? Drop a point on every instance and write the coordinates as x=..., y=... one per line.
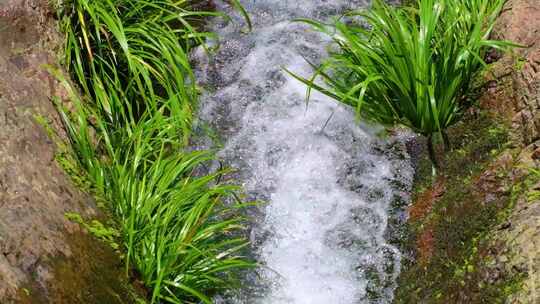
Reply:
x=44, y=257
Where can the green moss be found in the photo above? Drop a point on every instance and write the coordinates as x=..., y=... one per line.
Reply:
x=532, y=183
x=64, y=158
x=91, y=274
x=458, y=267
x=106, y=233
x=520, y=63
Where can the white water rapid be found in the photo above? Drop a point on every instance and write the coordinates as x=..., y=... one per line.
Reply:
x=327, y=185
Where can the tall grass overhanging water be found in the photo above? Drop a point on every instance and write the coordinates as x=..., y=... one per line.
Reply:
x=129, y=121
x=408, y=65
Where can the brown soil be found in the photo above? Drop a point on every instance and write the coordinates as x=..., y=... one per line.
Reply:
x=44, y=258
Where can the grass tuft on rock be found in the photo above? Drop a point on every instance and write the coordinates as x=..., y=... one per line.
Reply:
x=407, y=65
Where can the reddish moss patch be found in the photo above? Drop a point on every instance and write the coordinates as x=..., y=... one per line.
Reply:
x=423, y=204
x=425, y=245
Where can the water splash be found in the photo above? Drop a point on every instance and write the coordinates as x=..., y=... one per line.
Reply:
x=328, y=182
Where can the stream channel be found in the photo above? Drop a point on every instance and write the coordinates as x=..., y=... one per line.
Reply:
x=330, y=188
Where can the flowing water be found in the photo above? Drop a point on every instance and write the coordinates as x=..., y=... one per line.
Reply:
x=329, y=186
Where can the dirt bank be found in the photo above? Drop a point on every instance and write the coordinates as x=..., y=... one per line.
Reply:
x=475, y=231
x=44, y=258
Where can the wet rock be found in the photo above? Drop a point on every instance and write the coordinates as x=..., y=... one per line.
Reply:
x=520, y=254
x=516, y=98
x=44, y=258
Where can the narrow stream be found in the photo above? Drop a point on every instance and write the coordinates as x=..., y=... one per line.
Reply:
x=328, y=185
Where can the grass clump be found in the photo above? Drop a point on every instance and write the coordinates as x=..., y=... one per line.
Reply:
x=128, y=132
x=409, y=65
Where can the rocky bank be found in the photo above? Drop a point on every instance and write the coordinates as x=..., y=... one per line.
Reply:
x=475, y=231
x=44, y=258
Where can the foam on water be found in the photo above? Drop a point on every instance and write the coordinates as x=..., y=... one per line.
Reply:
x=321, y=236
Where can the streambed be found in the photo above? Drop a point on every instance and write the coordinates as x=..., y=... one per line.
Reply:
x=329, y=186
